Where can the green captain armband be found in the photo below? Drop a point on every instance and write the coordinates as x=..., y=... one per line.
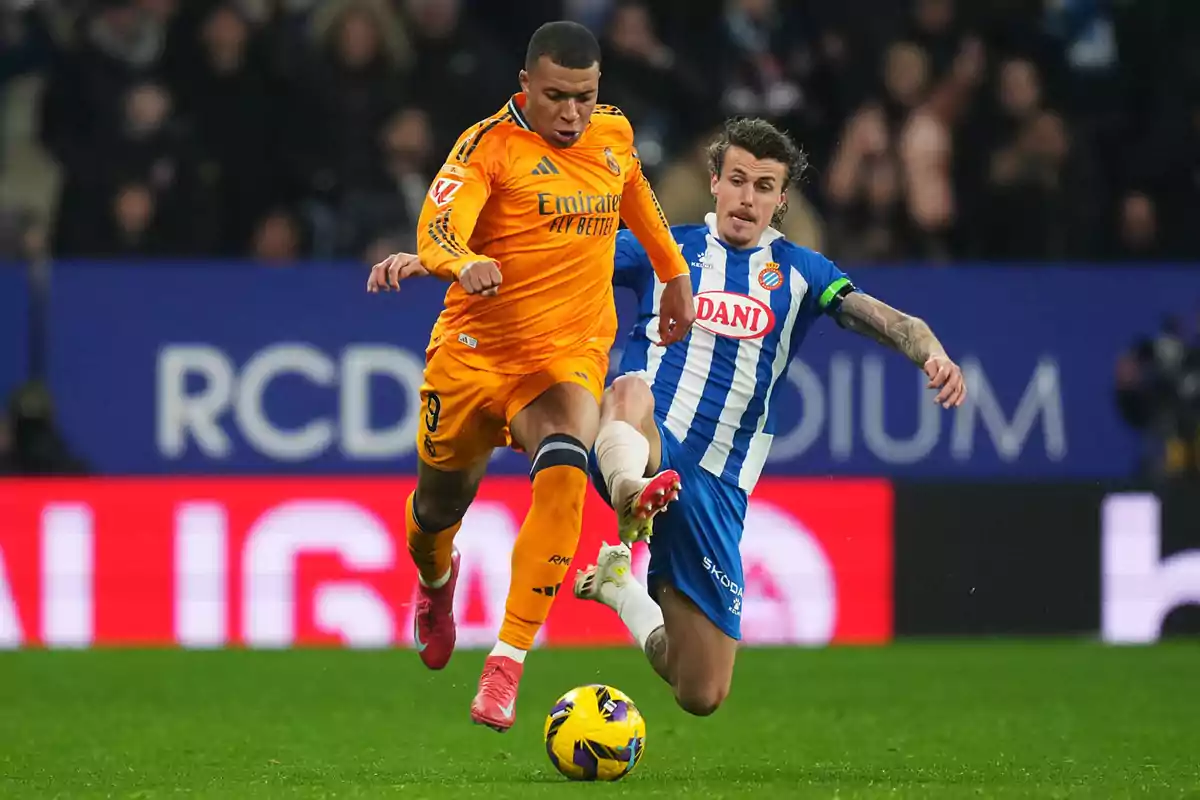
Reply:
x=835, y=291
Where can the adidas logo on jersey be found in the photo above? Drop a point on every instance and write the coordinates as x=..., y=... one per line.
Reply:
x=545, y=167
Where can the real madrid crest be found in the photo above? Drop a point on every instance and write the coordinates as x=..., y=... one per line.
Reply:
x=770, y=278
x=613, y=166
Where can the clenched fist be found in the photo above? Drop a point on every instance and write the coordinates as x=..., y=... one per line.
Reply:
x=481, y=278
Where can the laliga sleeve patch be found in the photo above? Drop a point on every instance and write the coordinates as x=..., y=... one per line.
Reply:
x=443, y=191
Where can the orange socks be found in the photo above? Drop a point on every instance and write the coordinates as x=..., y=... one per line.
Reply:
x=546, y=544
x=544, y=548
x=430, y=551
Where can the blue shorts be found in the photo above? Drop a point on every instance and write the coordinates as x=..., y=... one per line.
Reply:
x=695, y=546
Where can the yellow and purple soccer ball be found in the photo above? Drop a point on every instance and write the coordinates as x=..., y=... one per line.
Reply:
x=595, y=733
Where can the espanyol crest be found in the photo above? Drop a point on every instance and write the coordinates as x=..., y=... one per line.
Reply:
x=770, y=278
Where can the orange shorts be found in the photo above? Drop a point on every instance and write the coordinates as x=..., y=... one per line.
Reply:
x=466, y=411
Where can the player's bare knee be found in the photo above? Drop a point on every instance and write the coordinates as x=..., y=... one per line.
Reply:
x=442, y=507
x=629, y=400
x=442, y=498
x=563, y=409
x=701, y=699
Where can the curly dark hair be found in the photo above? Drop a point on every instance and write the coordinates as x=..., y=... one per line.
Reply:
x=762, y=140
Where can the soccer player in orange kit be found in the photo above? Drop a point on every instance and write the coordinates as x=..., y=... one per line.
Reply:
x=523, y=217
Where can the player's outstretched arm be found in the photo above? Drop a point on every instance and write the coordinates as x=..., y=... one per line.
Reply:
x=477, y=277
x=645, y=218
x=909, y=335
x=387, y=275
x=451, y=209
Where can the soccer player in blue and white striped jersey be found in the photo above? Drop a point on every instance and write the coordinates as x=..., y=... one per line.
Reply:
x=700, y=415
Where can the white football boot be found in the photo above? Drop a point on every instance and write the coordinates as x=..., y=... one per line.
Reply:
x=604, y=580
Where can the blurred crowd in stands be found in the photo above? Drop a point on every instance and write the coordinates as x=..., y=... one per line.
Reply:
x=279, y=130
x=31, y=442
x=286, y=130
x=1158, y=394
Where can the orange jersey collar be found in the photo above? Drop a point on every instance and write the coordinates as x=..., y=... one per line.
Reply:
x=516, y=107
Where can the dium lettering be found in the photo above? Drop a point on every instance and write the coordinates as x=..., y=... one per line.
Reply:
x=845, y=408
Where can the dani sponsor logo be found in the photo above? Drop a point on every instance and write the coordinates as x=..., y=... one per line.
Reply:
x=734, y=316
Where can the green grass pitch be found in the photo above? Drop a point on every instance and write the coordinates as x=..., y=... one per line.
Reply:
x=919, y=720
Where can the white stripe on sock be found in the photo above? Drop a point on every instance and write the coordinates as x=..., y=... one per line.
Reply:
x=508, y=651
x=555, y=446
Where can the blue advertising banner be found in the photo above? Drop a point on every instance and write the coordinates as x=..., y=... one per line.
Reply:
x=218, y=368
x=14, y=329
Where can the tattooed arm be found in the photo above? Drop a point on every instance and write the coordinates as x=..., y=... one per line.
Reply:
x=877, y=320
x=909, y=335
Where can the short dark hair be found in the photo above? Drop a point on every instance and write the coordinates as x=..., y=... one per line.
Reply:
x=760, y=139
x=567, y=44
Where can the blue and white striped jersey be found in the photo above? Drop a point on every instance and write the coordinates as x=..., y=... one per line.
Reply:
x=715, y=390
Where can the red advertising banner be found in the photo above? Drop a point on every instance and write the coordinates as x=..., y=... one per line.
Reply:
x=280, y=562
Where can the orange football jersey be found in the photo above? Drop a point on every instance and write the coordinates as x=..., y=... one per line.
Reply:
x=549, y=216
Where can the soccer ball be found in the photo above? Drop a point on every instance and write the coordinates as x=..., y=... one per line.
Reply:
x=595, y=733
